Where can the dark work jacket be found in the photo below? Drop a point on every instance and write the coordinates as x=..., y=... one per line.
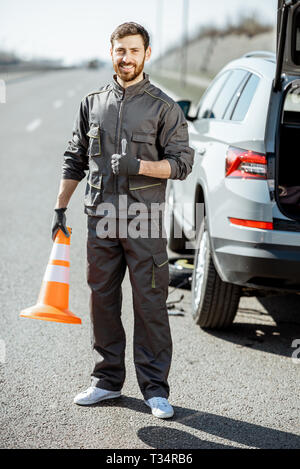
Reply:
x=155, y=129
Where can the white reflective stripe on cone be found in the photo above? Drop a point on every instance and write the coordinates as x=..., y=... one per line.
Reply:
x=57, y=273
x=60, y=252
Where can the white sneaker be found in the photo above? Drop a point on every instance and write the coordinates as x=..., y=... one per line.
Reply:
x=92, y=395
x=160, y=407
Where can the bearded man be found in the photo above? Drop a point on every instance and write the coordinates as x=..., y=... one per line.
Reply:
x=131, y=137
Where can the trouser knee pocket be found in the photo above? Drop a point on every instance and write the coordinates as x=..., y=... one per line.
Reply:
x=160, y=270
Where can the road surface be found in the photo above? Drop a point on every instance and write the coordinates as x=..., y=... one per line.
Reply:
x=235, y=389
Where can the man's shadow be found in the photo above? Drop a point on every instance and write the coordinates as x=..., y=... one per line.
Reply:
x=238, y=432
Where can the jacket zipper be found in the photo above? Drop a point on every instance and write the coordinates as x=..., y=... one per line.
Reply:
x=118, y=142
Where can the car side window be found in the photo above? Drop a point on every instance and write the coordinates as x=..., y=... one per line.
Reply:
x=245, y=99
x=210, y=96
x=227, y=93
x=231, y=106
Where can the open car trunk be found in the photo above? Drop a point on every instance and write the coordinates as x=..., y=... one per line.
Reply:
x=283, y=125
x=288, y=155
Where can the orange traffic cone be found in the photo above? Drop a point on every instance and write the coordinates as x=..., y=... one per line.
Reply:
x=53, y=300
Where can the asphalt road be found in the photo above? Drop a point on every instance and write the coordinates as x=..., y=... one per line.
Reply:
x=235, y=389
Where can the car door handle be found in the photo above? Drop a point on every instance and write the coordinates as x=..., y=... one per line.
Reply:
x=202, y=151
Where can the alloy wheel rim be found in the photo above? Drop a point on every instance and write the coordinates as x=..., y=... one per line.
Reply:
x=199, y=269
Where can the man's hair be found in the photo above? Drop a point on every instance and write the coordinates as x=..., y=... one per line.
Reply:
x=130, y=29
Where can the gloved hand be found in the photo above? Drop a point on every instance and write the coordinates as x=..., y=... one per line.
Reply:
x=125, y=165
x=59, y=222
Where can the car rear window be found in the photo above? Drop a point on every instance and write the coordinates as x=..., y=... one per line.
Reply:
x=245, y=99
x=227, y=93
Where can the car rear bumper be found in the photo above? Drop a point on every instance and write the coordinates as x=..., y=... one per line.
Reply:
x=257, y=265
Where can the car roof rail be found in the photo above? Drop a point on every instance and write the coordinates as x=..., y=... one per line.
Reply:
x=263, y=54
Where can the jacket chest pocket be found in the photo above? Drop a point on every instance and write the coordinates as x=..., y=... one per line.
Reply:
x=143, y=145
x=94, y=134
x=145, y=189
x=144, y=137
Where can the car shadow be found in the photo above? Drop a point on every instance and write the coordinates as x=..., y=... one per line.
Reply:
x=163, y=436
x=284, y=309
x=256, y=333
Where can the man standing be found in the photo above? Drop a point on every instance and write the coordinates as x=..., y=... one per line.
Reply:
x=131, y=137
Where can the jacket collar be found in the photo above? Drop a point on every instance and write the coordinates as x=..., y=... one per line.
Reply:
x=132, y=90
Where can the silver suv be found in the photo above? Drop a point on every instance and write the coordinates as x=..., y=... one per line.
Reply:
x=246, y=175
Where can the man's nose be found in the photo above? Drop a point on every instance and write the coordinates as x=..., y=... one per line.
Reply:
x=126, y=57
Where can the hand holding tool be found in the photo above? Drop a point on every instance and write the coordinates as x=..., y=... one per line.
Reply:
x=124, y=164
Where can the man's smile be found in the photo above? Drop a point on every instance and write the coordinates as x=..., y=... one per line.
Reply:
x=126, y=67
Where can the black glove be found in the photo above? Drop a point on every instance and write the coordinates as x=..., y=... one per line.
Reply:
x=59, y=222
x=125, y=165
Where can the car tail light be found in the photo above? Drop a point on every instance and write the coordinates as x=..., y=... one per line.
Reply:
x=263, y=225
x=245, y=164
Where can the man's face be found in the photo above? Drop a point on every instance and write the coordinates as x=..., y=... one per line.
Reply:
x=128, y=57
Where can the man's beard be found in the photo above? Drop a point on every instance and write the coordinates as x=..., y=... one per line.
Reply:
x=125, y=76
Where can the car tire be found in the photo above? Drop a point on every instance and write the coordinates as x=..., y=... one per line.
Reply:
x=175, y=244
x=214, y=302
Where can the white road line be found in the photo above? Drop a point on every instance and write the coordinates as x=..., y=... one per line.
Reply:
x=58, y=103
x=71, y=93
x=33, y=125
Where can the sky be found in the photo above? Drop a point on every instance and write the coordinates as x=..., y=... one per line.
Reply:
x=76, y=30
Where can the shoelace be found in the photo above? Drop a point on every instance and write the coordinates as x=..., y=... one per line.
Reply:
x=89, y=392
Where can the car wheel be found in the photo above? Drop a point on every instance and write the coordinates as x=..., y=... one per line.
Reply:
x=214, y=302
x=175, y=244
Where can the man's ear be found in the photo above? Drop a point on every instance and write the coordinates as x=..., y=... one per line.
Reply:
x=148, y=54
x=111, y=51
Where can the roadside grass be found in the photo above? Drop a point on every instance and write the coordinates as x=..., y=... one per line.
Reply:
x=191, y=92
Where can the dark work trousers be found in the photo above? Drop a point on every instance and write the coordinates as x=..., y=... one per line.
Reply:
x=147, y=261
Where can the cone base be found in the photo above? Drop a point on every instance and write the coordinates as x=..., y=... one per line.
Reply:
x=49, y=313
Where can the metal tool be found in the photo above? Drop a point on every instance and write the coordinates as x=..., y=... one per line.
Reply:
x=123, y=145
